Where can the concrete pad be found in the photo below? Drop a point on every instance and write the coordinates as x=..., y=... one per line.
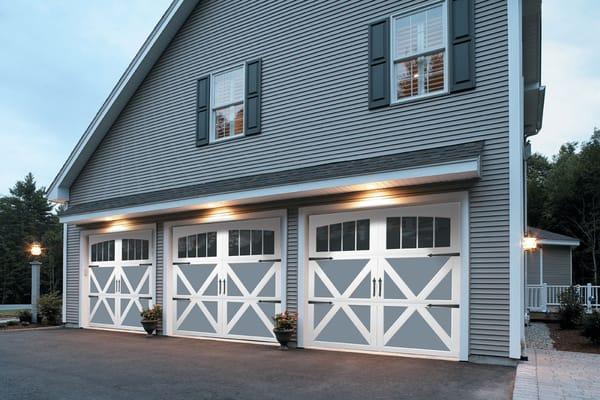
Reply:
x=87, y=364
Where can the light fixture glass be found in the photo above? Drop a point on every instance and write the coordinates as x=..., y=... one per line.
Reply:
x=529, y=243
x=35, y=249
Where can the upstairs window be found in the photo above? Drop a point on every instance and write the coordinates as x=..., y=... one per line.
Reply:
x=227, y=104
x=419, y=53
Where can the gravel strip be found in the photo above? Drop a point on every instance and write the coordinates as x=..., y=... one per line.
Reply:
x=538, y=336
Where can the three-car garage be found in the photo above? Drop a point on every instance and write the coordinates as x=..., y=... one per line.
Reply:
x=384, y=280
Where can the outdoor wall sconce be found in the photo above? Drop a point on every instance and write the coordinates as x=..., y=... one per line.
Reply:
x=530, y=243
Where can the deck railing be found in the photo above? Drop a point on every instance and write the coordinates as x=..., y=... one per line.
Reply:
x=540, y=297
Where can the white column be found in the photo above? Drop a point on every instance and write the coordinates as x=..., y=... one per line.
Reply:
x=35, y=289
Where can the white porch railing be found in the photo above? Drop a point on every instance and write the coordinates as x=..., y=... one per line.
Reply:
x=539, y=297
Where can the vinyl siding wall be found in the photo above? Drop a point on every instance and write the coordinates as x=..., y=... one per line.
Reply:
x=533, y=267
x=72, y=295
x=315, y=111
x=557, y=265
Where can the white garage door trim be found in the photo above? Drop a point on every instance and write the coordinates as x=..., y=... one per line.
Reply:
x=384, y=202
x=148, y=280
x=218, y=216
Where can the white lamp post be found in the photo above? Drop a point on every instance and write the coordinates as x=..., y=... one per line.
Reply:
x=36, y=250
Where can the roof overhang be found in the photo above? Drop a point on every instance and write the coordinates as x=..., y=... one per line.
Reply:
x=151, y=50
x=458, y=170
x=534, y=92
x=548, y=242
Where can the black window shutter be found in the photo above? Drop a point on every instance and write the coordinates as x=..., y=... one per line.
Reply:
x=462, y=45
x=379, y=69
x=203, y=111
x=252, y=104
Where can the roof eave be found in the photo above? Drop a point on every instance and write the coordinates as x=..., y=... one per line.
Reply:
x=151, y=50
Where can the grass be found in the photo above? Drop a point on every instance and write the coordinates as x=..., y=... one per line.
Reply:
x=8, y=313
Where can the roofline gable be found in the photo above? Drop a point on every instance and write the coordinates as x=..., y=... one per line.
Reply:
x=158, y=40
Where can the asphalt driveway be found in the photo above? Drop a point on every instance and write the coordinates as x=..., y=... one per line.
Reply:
x=82, y=364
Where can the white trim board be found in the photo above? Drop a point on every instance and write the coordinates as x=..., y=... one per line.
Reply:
x=516, y=180
x=548, y=242
x=445, y=172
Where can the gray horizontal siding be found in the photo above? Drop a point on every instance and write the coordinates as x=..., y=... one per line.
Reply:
x=292, y=260
x=315, y=111
x=72, y=297
x=533, y=267
x=557, y=265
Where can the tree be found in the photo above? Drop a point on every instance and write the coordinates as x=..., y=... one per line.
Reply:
x=538, y=168
x=565, y=198
x=27, y=216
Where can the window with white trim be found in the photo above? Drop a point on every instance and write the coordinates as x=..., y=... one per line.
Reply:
x=227, y=104
x=419, y=53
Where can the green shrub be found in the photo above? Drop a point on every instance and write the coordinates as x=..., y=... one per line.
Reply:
x=24, y=315
x=152, y=314
x=12, y=323
x=591, y=327
x=50, y=306
x=570, y=308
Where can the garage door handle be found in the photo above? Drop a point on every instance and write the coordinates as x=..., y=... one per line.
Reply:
x=444, y=305
x=273, y=260
x=220, y=286
x=319, y=302
x=145, y=297
x=270, y=301
x=374, y=283
x=443, y=255
x=93, y=295
x=319, y=258
x=94, y=266
x=180, y=298
x=145, y=264
x=181, y=263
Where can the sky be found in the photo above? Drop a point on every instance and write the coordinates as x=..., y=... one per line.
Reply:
x=59, y=59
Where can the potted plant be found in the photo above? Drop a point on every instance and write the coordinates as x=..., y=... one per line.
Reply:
x=285, y=327
x=24, y=316
x=150, y=318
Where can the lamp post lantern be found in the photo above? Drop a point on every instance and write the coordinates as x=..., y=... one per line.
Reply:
x=35, y=250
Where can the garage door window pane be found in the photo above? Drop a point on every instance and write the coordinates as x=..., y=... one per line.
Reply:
x=145, y=250
x=392, y=233
x=409, y=232
x=111, y=250
x=191, y=246
x=234, y=243
x=244, y=242
x=211, y=244
x=201, y=244
x=94, y=252
x=348, y=233
x=269, y=242
x=425, y=232
x=322, y=238
x=256, y=242
x=335, y=237
x=181, y=247
x=442, y=232
x=362, y=234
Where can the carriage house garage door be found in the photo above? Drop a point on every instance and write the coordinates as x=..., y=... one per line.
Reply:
x=385, y=280
x=226, y=279
x=120, y=279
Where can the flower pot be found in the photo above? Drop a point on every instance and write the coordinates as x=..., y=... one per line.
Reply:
x=149, y=326
x=283, y=337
